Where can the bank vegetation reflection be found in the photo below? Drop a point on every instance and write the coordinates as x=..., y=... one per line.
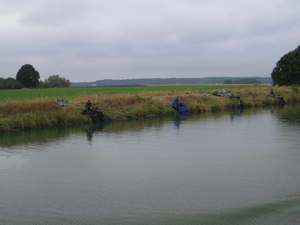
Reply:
x=288, y=114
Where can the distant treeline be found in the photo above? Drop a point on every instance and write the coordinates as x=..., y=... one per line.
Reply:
x=166, y=81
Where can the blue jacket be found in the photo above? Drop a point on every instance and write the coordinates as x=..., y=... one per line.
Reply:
x=175, y=101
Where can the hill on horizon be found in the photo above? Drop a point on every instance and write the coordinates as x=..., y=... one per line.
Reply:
x=170, y=81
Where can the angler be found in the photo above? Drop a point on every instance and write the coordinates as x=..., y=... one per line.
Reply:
x=179, y=106
x=94, y=112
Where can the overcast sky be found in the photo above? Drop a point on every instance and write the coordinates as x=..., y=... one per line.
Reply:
x=88, y=40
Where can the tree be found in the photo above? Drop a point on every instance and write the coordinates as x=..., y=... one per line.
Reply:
x=10, y=83
x=246, y=81
x=56, y=81
x=2, y=83
x=287, y=70
x=28, y=76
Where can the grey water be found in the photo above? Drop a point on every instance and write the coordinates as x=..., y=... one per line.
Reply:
x=236, y=167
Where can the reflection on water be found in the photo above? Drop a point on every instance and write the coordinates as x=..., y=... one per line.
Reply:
x=43, y=136
x=289, y=114
x=92, y=129
x=179, y=119
x=236, y=167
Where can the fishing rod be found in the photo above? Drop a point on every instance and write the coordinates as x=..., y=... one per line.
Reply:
x=74, y=104
x=216, y=107
x=120, y=114
x=253, y=100
x=126, y=115
x=11, y=129
x=202, y=105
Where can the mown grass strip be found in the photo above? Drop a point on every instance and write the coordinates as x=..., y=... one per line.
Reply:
x=65, y=93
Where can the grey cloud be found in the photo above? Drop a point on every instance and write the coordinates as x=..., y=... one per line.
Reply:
x=134, y=39
x=52, y=13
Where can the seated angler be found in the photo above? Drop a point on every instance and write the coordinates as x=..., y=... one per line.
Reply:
x=272, y=94
x=88, y=105
x=175, y=102
x=87, y=108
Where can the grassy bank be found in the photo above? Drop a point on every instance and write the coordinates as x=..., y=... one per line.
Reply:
x=30, y=108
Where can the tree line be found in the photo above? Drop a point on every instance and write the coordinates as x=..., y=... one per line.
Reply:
x=243, y=81
x=28, y=77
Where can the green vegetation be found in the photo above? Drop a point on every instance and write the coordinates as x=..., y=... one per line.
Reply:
x=9, y=83
x=287, y=70
x=36, y=108
x=67, y=93
x=295, y=88
x=54, y=81
x=242, y=81
x=28, y=77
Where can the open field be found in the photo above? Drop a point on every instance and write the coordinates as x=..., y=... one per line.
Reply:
x=35, y=108
x=67, y=93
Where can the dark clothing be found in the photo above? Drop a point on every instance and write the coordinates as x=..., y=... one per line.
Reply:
x=87, y=108
x=96, y=115
x=88, y=105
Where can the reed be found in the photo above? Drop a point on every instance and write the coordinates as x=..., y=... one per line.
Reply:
x=292, y=98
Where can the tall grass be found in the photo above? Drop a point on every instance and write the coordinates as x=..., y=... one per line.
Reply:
x=295, y=89
x=38, y=120
x=292, y=98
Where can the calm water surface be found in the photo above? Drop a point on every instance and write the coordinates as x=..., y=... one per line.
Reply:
x=237, y=167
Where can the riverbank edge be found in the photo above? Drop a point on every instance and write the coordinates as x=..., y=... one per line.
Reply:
x=44, y=113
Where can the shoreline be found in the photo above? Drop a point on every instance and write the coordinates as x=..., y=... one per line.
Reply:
x=17, y=116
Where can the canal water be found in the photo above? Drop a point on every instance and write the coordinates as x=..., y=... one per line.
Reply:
x=236, y=167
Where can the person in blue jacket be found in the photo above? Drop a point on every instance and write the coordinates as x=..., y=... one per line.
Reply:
x=175, y=102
